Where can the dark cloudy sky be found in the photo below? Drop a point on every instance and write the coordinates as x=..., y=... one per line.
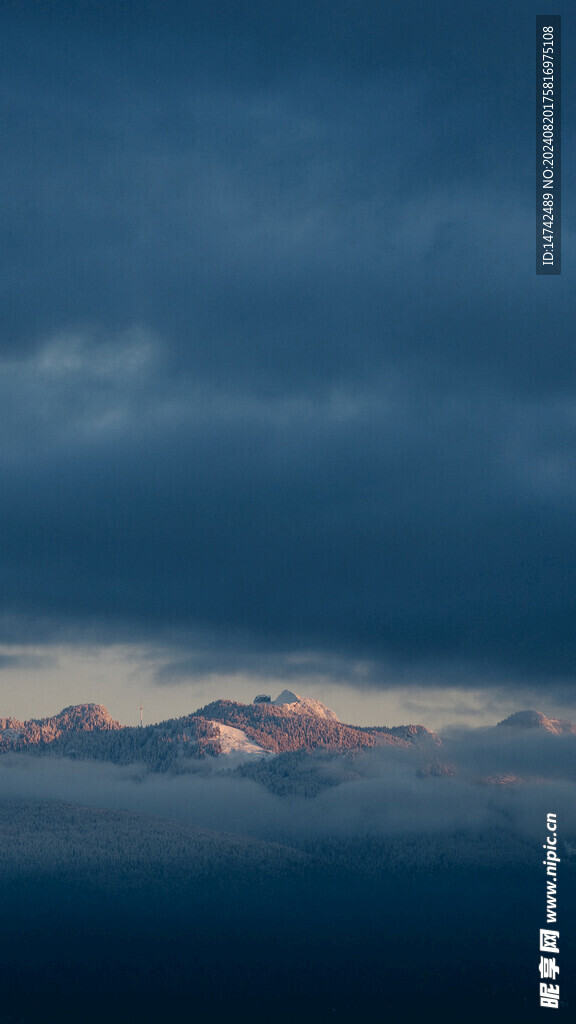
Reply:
x=282, y=396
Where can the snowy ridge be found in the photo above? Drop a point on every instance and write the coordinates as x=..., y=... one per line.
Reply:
x=236, y=746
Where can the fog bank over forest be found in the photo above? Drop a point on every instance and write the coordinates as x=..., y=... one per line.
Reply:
x=490, y=778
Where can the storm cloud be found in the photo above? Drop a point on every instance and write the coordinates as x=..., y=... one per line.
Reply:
x=277, y=377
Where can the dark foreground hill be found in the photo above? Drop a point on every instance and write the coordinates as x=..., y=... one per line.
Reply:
x=125, y=918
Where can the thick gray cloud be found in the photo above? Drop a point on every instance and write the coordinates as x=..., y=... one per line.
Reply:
x=277, y=374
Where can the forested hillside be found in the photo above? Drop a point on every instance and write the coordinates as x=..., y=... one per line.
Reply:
x=120, y=848
x=276, y=729
x=167, y=747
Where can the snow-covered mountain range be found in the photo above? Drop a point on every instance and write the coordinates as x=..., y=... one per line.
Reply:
x=227, y=734
x=224, y=731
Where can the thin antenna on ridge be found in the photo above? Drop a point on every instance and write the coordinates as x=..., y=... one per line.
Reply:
x=141, y=710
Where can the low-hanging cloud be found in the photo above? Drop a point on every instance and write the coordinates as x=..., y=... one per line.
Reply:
x=494, y=780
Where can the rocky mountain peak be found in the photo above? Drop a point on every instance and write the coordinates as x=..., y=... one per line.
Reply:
x=294, y=703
